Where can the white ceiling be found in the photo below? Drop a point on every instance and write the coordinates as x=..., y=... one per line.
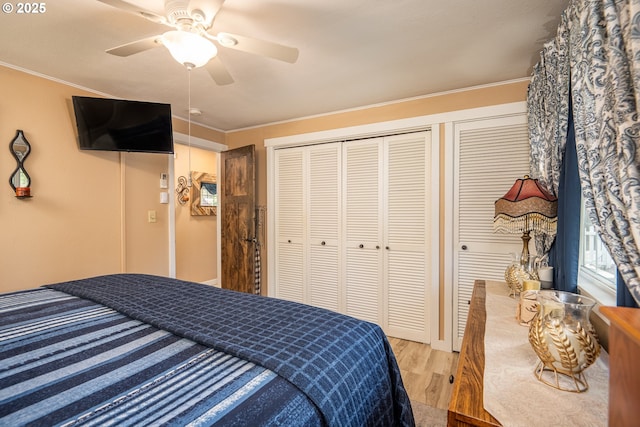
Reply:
x=353, y=53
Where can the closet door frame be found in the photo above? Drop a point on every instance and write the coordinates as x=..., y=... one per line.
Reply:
x=415, y=124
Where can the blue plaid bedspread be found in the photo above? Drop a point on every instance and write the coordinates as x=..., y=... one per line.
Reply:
x=344, y=365
x=68, y=361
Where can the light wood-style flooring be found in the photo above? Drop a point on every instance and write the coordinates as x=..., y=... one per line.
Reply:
x=425, y=372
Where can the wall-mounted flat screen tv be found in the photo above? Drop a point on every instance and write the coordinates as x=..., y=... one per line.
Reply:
x=122, y=125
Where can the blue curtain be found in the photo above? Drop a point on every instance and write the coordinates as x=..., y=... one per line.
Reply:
x=623, y=296
x=564, y=255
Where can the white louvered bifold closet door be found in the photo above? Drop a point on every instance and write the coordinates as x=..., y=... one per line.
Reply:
x=290, y=223
x=491, y=155
x=408, y=235
x=362, y=225
x=353, y=225
x=324, y=190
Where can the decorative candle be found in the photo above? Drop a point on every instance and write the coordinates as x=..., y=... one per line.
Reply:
x=546, y=277
x=527, y=307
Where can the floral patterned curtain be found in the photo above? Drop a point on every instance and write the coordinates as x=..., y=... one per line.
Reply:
x=598, y=46
x=548, y=107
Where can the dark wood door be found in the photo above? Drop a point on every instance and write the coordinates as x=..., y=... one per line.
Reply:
x=238, y=227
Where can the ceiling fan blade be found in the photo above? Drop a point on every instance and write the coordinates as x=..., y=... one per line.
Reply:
x=135, y=47
x=259, y=47
x=206, y=8
x=147, y=14
x=218, y=72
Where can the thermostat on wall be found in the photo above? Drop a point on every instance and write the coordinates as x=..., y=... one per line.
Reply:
x=163, y=181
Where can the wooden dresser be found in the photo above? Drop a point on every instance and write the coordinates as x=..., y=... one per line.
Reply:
x=624, y=353
x=466, y=404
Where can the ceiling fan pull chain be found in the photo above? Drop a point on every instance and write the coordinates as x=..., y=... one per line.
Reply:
x=189, y=122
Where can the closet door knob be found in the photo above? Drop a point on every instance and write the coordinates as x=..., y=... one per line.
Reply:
x=361, y=246
x=323, y=243
x=387, y=247
x=377, y=246
x=464, y=247
x=289, y=241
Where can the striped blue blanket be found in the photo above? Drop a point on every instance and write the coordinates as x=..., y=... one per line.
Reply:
x=343, y=365
x=69, y=361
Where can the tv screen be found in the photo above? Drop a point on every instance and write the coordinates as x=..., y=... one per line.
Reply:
x=121, y=125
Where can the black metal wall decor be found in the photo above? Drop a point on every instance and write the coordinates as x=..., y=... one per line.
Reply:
x=20, y=180
x=182, y=189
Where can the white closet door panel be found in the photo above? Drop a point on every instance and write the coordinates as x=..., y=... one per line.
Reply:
x=290, y=195
x=290, y=274
x=406, y=191
x=407, y=296
x=491, y=155
x=363, y=290
x=490, y=161
x=289, y=231
x=362, y=192
x=324, y=280
x=469, y=263
x=362, y=227
x=407, y=235
x=324, y=193
x=324, y=284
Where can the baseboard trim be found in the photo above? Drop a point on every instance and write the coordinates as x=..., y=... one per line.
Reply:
x=212, y=282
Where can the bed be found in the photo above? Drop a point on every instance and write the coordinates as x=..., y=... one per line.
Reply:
x=133, y=349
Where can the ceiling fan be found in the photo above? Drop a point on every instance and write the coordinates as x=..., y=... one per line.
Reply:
x=190, y=42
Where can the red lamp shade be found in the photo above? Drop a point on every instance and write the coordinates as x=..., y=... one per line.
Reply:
x=526, y=207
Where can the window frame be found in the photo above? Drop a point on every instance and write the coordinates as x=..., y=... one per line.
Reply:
x=589, y=281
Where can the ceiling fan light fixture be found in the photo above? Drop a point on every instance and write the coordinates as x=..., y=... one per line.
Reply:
x=189, y=49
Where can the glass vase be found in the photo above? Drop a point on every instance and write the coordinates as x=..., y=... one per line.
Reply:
x=563, y=339
x=521, y=268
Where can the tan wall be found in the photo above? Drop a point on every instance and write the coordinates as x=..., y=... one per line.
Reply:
x=196, y=236
x=70, y=228
x=85, y=204
x=146, y=243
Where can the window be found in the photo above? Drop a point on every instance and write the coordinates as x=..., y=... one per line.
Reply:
x=597, y=272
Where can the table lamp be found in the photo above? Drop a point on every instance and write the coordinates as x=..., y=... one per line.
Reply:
x=526, y=207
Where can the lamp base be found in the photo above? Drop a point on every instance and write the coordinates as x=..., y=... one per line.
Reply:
x=525, y=246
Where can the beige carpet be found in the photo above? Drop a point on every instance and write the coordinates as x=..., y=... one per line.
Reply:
x=428, y=416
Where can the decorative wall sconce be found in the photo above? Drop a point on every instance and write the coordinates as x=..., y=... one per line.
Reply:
x=20, y=180
x=182, y=190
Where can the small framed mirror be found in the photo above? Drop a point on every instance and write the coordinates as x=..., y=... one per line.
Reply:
x=19, y=179
x=204, y=194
